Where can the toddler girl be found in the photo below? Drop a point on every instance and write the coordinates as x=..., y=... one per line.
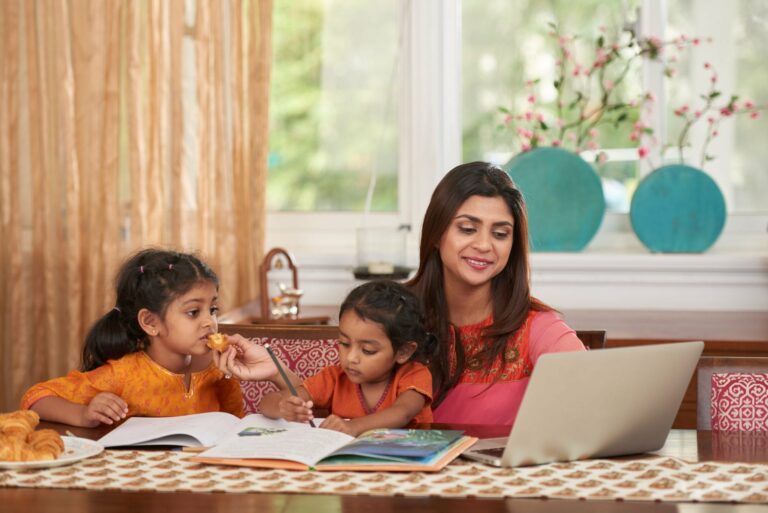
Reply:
x=148, y=355
x=381, y=381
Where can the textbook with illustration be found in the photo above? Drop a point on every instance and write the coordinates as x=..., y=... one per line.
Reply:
x=323, y=449
x=197, y=430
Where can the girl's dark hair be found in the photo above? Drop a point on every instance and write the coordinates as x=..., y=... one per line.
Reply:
x=150, y=279
x=510, y=289
x=397, y=310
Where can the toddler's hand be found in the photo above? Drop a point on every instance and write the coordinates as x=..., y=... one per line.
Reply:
x=245, y=360
x=294, y=409
x=336, y=423
x=105, y=408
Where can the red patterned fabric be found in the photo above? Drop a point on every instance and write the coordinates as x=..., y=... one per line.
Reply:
x=739, y=402
x=304, y=357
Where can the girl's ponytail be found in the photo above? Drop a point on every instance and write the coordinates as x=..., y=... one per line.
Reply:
x=108, y=339
x=150, y=279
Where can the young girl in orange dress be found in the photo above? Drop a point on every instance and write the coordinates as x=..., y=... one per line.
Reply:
x=381, y=380
x=148, y=356
x=473, y=280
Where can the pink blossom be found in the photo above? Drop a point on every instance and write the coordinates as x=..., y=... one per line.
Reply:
x=715, y=133
x=713, y=78
x=540, y=117
x=531, y=99
x=710, y=120
x=748, y=104
x=602, y=157
x=556, y=142
x=525, y=146
x=725, y=112
x=634, y=136
x=696, y=41
x=697, y=114
x=638, y=125
x=707, y=65
x=592, y=145
x=528, y=116
x=642, y=151
x=594, y=132
x=754, y=115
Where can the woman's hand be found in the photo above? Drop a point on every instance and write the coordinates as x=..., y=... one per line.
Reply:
x=336, y=423
x=295, y=409
x=104, y=408
x=245, y=360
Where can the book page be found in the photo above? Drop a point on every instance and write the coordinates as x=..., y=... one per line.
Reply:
x=304, y=445
x=400, y=444
x=198, y=430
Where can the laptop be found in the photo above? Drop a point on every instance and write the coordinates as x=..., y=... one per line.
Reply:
x=588, y=404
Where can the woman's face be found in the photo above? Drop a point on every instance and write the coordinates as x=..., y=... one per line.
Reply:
x=477, y=243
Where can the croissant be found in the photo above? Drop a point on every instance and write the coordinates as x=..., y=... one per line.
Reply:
x=18, y=423
x=20, y=442
x=218, y=342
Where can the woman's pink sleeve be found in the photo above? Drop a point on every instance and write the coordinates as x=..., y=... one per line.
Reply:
x=550, y=334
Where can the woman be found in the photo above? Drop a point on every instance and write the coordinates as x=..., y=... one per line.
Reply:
x=473, y=279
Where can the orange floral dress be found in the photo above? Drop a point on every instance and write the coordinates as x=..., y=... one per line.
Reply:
x=149, y=389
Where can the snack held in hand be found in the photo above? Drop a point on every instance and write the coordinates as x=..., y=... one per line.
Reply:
x=20, y=442
x=218, y=342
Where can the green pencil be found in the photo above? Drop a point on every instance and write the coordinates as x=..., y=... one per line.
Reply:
x=284, y=375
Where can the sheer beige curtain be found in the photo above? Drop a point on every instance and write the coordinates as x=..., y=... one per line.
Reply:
x=123, y=124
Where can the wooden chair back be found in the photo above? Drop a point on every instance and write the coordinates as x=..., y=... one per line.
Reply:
x=592, y=339
x=709, y=365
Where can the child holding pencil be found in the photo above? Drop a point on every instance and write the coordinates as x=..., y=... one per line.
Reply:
x=381, y=380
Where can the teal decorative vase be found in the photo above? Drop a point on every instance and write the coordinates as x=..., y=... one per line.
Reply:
x=563, y=195
x=678, y=209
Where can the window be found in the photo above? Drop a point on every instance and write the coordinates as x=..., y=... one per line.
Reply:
x=505, y=43
x=334, y=106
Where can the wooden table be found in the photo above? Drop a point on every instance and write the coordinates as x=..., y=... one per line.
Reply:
x=687, y=444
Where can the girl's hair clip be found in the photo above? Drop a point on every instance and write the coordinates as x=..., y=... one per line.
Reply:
x=117, y=309
x=170, y=267
x=141, y=269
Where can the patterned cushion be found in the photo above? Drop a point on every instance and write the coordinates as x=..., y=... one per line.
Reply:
x=739, y=402
x=304, y=357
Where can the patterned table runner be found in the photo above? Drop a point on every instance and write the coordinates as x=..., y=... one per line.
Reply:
x=647, y=479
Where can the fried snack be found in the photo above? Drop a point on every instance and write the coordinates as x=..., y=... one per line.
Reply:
x=19, y=423
x=20, y=442
x=218, y=342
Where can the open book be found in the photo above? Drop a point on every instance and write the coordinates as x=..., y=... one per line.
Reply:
x=197, y=430
x=322, y=449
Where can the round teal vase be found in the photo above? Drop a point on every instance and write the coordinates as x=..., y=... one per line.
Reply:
x=678, y=209
x=563, y=195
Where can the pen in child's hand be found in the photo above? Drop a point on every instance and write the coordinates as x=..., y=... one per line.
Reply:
x=284, y=375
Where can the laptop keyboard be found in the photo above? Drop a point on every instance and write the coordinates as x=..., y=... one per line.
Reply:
x=496, y=452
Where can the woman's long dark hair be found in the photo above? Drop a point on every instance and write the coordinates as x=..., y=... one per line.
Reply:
x=510, y=289
x=150, y=279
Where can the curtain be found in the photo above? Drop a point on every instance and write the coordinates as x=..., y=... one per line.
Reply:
x=123, y=124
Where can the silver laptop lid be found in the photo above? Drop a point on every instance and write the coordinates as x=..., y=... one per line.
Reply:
x=607, y=402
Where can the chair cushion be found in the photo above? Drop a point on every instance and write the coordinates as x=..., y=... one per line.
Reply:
x=739, y=402
x=305, y=357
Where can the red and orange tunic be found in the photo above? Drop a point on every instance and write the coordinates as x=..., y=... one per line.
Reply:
x=332, y=389
x=493, y=396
